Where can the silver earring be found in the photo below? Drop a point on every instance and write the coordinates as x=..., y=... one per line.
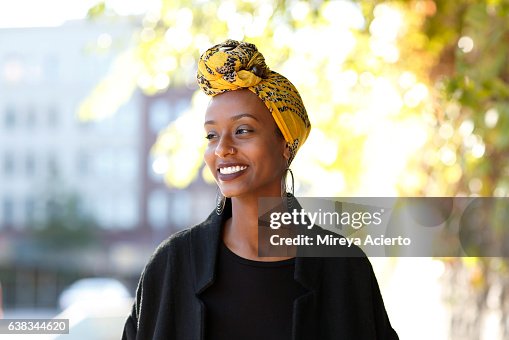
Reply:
x=285, y=190
x=220, y=202
x=287, y=194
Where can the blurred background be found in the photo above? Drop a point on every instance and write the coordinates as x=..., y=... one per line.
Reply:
x=101, y=140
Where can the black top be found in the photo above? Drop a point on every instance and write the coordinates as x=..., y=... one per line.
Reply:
x=250, y=299
x=343, y=301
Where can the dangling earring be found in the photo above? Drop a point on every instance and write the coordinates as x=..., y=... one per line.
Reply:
x=285, y=191
x=220, y=202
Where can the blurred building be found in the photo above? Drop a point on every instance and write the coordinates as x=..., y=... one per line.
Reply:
x=44, y=148
x=48, y=155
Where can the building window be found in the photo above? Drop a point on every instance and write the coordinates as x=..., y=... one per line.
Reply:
x=30, y=164
x=126, y=120
x=105, y=212
x=104, y=163
x=126, y=211
x=180, y=208
x=53, y=170
x=53, y=117
x=51, y=209
x=51, y=68
x=126, y=166
x=9, y=117
x=83, y=163
x=158, y=209
x=31, y=117
x=160, y=114
x=85, y=124
x=181, y=106
x=30, y=210
x=8, y=212
x=8, y=164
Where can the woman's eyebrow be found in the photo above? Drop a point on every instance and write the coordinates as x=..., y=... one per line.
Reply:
x=234, y=118
x=242, y=115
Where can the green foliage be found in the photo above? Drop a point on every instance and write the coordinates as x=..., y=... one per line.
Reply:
x=65, y=228
x=97, y=10
x=473, y=68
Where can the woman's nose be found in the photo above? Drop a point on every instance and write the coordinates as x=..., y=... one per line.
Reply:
x=224, y=147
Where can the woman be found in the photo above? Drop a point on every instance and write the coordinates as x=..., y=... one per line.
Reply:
x=208, y=282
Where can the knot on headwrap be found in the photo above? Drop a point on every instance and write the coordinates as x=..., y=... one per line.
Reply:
x=235, y=65
x=230, y=66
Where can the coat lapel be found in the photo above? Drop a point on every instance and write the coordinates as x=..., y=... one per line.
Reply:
x=307, y=273
x=204, y=245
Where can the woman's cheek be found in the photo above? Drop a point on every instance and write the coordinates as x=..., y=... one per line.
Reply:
x=208, y=158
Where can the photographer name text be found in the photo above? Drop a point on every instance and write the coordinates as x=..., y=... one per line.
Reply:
x=330, y=240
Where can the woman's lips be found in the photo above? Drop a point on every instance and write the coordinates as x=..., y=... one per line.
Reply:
x=230, y=172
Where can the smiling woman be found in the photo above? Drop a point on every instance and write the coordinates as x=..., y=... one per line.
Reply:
x=245, y=155
x=208, y=281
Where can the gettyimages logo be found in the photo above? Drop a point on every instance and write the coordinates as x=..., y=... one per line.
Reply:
x=389, y=226
x=355, y=220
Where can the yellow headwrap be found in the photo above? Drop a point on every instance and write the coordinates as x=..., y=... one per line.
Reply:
x=235, y=65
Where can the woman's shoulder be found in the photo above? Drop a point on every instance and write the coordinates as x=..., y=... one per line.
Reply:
x=173, y=242
x=178, y=244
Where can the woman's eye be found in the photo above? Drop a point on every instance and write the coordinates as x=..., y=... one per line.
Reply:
x=210, y=136
x=242, y=131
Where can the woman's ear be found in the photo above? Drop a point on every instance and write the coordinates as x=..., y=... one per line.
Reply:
x=286, y=152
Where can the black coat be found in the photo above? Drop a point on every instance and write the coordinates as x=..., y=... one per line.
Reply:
x=343, y=301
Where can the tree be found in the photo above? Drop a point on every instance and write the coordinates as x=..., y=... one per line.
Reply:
x=62, y=239
x=66, y=227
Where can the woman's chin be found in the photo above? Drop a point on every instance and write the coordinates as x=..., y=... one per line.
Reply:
x=237, y=193
x=229, y=193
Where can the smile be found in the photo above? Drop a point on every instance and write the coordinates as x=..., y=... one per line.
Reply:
x=231, y=169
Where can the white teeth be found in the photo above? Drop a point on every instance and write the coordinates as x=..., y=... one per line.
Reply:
x=232, y=169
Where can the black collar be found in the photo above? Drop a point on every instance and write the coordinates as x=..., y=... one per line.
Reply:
x=205, y=239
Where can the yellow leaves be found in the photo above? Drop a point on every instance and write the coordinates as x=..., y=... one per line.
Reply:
x=453, y=174
x=365, y=107
x=477, y=279
x=178, y=151
x=113, y=91
x=97, y=10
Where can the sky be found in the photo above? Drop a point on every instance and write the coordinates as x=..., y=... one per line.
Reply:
x=48, y=13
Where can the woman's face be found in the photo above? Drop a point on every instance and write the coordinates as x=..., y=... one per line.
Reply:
x=244, y=153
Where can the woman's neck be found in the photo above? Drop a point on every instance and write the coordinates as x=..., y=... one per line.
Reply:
x=240, y=232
